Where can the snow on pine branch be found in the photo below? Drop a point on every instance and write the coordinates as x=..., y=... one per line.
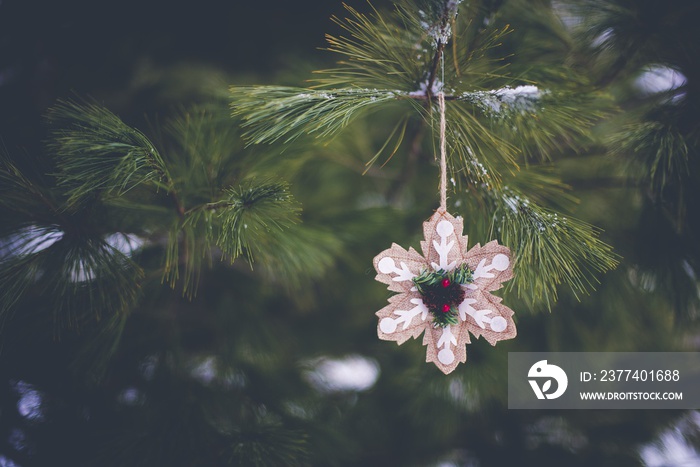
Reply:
x=506, y=100
x=437, y=24
x=271, y=113
x=552, y=249
x=422, y=91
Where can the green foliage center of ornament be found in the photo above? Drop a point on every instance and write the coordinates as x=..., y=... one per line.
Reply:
x=442, y=292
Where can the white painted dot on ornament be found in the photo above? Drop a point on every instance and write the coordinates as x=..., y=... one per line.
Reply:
x=499, y=324
x=446, y=356
x=445, y=228
x=386, y=265
x=387, y=325
x=500, y=262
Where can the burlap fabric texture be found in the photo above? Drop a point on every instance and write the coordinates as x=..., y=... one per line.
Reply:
x=480, y=313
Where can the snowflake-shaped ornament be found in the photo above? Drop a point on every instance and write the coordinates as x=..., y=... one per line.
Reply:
x=445, y=294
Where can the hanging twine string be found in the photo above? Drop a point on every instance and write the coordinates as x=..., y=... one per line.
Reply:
x=443, y=156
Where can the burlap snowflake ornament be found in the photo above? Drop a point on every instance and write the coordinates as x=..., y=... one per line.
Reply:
x=445, y=293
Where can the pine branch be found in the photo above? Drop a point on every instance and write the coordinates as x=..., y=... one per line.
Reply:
x=381, y=52
x=482, y=153
x=541, y=122
x=98, y=153
x=550, y=249
x=24, y=197
x=250, y=220
x=230, y=213
x=500, y=123
x=657, y=153
x=437, y=58
x=81, y=278
x=189, y=245
x=302, y=254
x=50, y=252
x=205, y=153
x=272, y=113
x=252, y=214
x=488, y=131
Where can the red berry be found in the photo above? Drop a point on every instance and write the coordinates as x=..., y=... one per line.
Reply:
x=445, y=307
x=445, y=282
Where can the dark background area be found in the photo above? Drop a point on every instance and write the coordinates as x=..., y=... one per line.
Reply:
x=52, y=49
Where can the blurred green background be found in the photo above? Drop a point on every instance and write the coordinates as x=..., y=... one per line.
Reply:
x=259, y=368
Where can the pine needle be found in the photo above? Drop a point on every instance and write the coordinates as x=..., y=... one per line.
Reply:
x=657, y=153
x=272, y=113
x=98, y=153
x=549, y=248
x=252, y=214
